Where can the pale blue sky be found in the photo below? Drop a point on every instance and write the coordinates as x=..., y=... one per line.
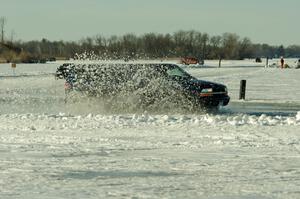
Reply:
x=270, y=21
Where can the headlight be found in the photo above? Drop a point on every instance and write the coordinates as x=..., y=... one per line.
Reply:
x=207, y=90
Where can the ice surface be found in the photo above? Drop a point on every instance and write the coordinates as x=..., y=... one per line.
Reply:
x=250, y=149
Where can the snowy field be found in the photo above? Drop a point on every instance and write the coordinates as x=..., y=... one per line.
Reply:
x=249, y=150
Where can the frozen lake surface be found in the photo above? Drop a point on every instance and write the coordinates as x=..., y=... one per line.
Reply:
x=250, y=149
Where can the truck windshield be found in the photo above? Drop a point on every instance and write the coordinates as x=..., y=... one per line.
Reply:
x=176, y=71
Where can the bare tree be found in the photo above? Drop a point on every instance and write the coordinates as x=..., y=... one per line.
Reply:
x=12, y=36
x=217, y=50
x=230, y=44
x=245, y=48
x=205, y=39
x=2, y=25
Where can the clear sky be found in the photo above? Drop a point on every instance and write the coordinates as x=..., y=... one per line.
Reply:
x=264, y=21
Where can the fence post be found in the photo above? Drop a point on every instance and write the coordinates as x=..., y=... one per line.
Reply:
x=242, y=89
x=14, y=66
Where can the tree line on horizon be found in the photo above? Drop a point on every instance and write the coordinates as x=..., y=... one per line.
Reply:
x=151, y=46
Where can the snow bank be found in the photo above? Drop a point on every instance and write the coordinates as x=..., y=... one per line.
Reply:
x=40, y=122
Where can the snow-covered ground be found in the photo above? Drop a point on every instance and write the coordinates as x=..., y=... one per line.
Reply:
x=250, y=149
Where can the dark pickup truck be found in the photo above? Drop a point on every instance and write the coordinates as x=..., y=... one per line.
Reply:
x=152, y=82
